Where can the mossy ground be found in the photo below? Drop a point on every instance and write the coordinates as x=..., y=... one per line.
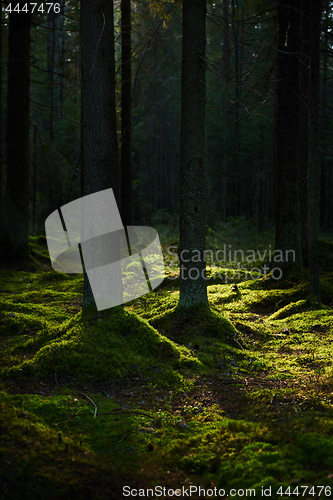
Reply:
x=240, y=396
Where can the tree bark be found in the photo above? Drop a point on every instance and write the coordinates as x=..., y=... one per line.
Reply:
x=193, y=286
x=15, y=228
x=1, y=169
x=303, y=133
x=313, y=175
x=326, y=205
x=62, y=58
x=126, y=114
x=287, y=206
x=51, y=50
x=236, y=110
x=100, y=169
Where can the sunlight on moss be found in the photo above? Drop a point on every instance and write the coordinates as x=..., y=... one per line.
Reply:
x=101, y=346
x=239, y=395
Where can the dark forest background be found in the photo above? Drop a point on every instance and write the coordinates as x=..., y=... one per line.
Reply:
x=242, y=41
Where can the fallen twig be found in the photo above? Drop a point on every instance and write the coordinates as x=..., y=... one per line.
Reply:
x=95, y=405
x=120, y=440
x=139, y=372
x=240, y=345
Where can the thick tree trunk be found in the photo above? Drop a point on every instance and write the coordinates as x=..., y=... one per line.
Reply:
x=313, y=176
x=193, y=287
x=126, y=114
x=326, y=205
x=55, y=28
x=15, y=229
x=100, y=169
x=287, y=206
x=1, y=170
x=226, y=68
x=303, y=133
x=56, y=64
x=236, y=110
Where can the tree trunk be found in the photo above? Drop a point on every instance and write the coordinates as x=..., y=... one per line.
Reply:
x=1, y=169
x=50, y=68
x=303, y=133
x=226, y=71
x=226, y=41
x=100, y=169
x=287, y=206
x=62, y=58
x=56, y=63
x=15, y=227
x=193, y=286
x=313, y=176
x=236, y=110
x=326, y=205
x=54, y=50
x=126, y=114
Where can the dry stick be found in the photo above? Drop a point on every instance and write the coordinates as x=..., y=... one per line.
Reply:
x=139, y=372
x=120, y=440
x=95, y=405
x=240, y=345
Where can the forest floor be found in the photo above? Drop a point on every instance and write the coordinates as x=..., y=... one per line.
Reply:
x=102, y=405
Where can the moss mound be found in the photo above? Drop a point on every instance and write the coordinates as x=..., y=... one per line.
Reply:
x=290, y=309
x=204, y=322
x=95, y=347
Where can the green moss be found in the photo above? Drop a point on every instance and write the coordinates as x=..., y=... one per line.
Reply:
x=112, y=345
x=202, y=322
x=236, y=396
x=238, y=454
x=39, y=241
x=252, y=297
x=38, y=461
x=320, y=320
x=290, y=309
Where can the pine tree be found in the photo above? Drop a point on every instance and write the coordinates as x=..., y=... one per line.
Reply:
x=193, y=287
x=313, y=174
x=287, y=205
x=15, y=227
x=100, y=169
x=126, y=114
